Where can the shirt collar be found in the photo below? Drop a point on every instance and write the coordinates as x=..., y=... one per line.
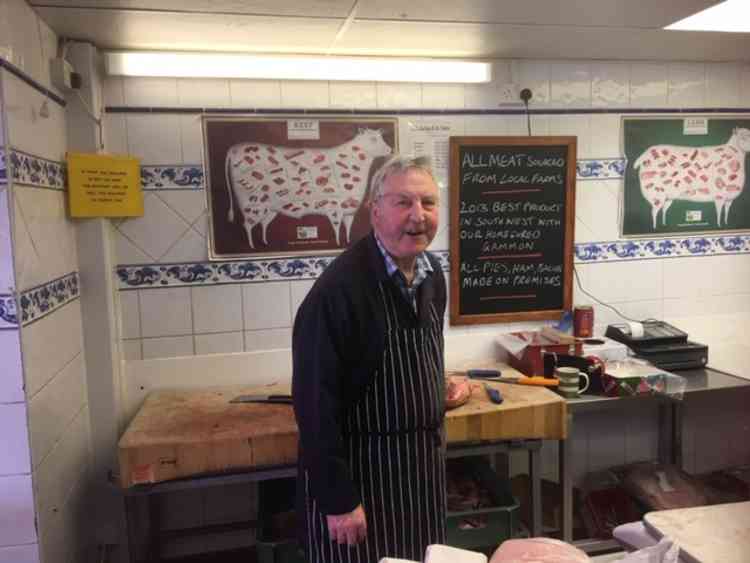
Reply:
x=421, y=268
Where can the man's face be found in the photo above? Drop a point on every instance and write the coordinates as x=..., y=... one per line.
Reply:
x=405, y=216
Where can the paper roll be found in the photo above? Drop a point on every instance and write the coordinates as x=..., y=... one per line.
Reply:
x=636, y=329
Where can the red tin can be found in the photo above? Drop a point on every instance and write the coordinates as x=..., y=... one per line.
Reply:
x=583, y=321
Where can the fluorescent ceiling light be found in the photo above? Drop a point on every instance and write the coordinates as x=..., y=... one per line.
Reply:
x=280, y=67
x=730, y=16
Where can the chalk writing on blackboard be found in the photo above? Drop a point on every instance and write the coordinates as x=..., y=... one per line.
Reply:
x=511, y=219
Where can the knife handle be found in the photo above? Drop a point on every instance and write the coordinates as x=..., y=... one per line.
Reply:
x=482, y=373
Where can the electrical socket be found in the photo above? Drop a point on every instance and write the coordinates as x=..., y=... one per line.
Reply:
x=61, y=72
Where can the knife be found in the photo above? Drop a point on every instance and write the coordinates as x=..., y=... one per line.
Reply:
x=271, y=399
x=494, y=375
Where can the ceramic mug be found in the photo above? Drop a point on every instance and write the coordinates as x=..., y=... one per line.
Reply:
x=570, y=382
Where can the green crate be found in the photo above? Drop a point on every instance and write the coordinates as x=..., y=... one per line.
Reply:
x=502, y=518
x=283, y=551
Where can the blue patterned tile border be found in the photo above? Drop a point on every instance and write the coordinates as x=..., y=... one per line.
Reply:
x=600, y=169
x=42, y=300
x=36, y=171
x=307, y=268
x=617, y=251
x=8, y=315
x=213, y=273
x=172, y=177
x=190, y=176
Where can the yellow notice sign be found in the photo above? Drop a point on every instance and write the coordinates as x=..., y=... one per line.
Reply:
x=104, y=185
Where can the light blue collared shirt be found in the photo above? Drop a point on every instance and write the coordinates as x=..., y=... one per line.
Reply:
x=422, y=269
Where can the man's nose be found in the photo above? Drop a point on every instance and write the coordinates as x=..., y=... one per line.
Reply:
x=417, y=211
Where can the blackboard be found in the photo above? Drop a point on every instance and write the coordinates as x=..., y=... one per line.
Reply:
x=512, y=218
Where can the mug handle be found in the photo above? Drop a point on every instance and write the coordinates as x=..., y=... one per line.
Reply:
x=586, y=385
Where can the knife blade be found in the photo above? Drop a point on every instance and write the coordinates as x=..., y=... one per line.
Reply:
x=272, y=399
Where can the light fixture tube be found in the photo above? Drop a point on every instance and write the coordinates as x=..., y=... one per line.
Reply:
x=281, y=67
x=730, y=16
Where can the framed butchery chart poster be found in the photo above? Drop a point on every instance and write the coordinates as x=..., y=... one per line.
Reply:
x=686, y=175
x=290, y=185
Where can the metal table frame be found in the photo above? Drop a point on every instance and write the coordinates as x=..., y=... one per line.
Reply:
x=142, y=507
x=671, y=414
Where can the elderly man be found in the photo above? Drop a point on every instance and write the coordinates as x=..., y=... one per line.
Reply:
x=368, y=383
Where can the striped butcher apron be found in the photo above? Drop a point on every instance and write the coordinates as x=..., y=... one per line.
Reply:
x=395, y=445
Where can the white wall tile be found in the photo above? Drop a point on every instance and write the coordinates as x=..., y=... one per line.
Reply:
x=127, y=252
x=710, y=275
x=67, y=463
x=41, y=221
x=149, y=92
x=130, y=315
x=606, y=438
x=219, y=343
x=478, y=125
x=11, y=382
x=17, y=515
x=157, y=230
x=27, y=130
x=570, y=84
x=217, y=308
x=723, y=84
x=62, y=535
x=604, y=136
x=42, y=361
x=443, y=96
x=188, y=204
x=304, y=94
x=266, y=305
x=190, y=247
x=168, y=347
x=596, y=211
x=113, y=93
x=154, y=138
x=534, y=75
x=300, y=290
x=28, y=553
x=623, y=281
x=255, y=93
x=132, y=350
x=166, y=312
x=576, y=126
x=687, y=84
x=353, y=95
x=191, y=139
x=268, y=339
x=55, y=406
x=14, y=440
x=492, y=94
x=649, y=85
x=24, y=40
x=203, y=93
x=394, y=95
x=745, y=85
x=610, y=84
x=115, y=133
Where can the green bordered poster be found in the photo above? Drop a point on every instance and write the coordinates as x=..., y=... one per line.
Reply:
x=686, y=175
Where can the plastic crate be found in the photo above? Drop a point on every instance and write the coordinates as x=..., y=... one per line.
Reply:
x=501, y=519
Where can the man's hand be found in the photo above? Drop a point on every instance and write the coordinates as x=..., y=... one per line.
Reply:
x=349, y=528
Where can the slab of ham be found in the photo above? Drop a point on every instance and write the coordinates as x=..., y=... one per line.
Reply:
x=457, y=391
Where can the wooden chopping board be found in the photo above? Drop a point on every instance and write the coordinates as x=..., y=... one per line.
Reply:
x=187, y=433
x=526, y=412
x=196, y=432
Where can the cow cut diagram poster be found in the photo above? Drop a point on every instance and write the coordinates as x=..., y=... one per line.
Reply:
x=290, y=185
x=686, y=175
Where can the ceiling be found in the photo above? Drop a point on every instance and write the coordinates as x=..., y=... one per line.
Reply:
x=547, y=29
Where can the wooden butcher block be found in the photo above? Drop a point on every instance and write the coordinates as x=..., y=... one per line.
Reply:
x=188, y=433
x=527, y=412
